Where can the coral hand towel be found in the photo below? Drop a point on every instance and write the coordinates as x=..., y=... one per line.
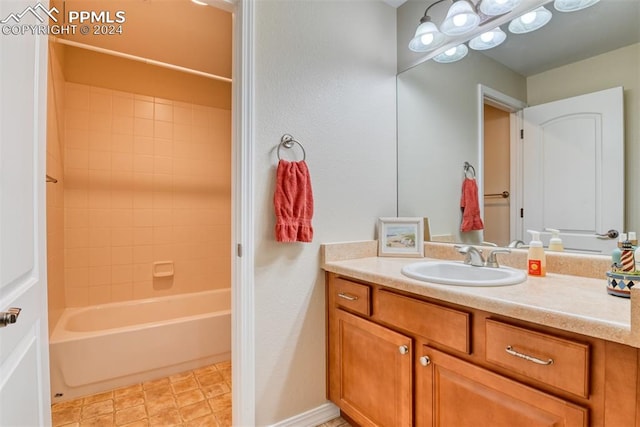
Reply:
x=470, y=207
x=293, y=202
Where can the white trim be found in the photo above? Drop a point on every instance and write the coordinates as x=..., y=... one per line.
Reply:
x=311, y=418
x=242, y=283
x=487, y=95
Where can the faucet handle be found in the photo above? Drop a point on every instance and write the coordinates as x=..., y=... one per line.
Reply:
x=492, y=261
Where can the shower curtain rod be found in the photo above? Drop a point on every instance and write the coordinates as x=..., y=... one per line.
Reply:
x=139, y=59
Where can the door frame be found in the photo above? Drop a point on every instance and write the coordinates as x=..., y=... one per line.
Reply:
x=497, y=99
x=242, y=216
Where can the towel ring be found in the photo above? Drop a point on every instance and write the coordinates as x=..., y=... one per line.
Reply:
x=468, y=166
x=287, y=141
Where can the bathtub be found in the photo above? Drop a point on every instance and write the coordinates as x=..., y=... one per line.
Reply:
x=99, y=348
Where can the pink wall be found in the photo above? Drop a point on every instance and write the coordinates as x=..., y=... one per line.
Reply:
x=145, y=179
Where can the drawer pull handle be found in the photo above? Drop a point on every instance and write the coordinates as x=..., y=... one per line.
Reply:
x=425, y=361
x=512, y=352
x=403, y=349
x=348, y=297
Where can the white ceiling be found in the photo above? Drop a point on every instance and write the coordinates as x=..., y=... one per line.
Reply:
x=568, y=37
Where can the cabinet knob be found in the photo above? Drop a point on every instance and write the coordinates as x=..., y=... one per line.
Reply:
x=403, y=349
x=425, y=361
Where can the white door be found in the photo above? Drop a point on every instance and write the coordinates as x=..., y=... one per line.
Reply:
x=573, y=172
x=24, y=354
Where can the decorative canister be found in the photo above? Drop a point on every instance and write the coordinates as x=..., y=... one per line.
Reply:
x=620, y=283
x=627, y=257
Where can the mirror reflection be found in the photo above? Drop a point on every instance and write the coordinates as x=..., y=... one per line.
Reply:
x=471, y=111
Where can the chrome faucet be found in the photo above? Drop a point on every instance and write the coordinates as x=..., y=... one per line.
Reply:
x=492, y=260
x=473, y=255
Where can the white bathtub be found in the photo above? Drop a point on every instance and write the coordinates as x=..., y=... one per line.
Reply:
x=98, y=348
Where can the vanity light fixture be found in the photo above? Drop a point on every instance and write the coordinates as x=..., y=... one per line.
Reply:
x=488, y=40
x=427, y=36
x=498, y=7
x=573, y=5
x=530, y=21
x=461, y=18
x=452, y=55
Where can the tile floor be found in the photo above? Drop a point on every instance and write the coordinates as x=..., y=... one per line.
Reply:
x=336, y=422
x=201, y=397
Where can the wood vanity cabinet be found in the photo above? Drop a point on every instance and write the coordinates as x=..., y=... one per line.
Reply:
x=397, y=359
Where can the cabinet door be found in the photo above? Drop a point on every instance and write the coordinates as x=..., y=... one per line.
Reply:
x=370, y=372
x=454, y=393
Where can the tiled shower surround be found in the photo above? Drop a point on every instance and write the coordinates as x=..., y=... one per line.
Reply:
x=146, y=180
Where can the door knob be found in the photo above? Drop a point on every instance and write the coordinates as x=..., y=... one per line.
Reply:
x=9, y=317
x=425, y=361
x=403, y=349
x=611, y=234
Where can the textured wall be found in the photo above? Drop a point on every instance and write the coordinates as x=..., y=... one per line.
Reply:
x=325, y=73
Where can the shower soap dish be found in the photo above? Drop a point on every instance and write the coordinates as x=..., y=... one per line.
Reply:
x=163, y=269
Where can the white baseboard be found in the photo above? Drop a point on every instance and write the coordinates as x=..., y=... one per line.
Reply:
x=312, y=417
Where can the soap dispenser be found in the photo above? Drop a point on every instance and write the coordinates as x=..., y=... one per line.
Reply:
x=536, y=260
x=555, y=243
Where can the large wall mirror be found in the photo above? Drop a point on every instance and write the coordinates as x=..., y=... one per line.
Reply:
x=470, y=111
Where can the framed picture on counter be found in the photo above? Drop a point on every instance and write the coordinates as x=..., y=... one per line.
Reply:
x=401, y=237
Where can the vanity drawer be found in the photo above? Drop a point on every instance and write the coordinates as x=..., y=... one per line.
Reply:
x=352, y=296
x=441, y=325
x=555, y=361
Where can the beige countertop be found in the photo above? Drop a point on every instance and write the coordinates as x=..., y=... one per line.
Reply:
x=567, y=302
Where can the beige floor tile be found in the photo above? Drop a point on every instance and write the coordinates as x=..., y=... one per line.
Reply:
x=224, y=365
x=100, y=421
x=158, y=392
x=98, y=398
x=129, y=415
x=93, y=410
x=184, y=385
x=129, y=400
x=205, y=370
x=198, y=398
x=65, y=416
x=166, y=419
x=125, y=391
x=215, y=390
x=189, y=397
x=140, y=423
x=155, y=383
x=181, y=377
x=76, y=403
x=195, y=410
x=224, y=418
x=206, y=421
x=161, y=404
x=221, y=403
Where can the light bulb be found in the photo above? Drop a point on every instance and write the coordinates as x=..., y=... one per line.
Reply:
x=426, y=39
x=460, y=20
x=451, y=51
x=487, y=37
x=528, y=18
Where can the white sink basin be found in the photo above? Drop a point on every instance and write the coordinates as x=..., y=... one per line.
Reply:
x=461, y=274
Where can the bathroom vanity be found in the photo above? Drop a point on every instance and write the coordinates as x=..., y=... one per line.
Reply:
x=554, y=351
